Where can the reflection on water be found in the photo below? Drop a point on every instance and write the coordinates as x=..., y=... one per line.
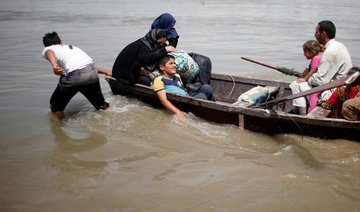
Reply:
x=135, y=157
x=69, y=138
x=72, y=174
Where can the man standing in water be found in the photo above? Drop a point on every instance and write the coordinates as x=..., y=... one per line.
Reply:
x=77, y=74
x=335, y=63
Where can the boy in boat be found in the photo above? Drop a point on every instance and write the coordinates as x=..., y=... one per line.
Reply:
x=171, y=82
x=77, y=74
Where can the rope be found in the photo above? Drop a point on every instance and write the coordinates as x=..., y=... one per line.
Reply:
x=233, y=84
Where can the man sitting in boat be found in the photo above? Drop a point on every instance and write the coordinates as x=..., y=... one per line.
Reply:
x=144, y=52
x=334, y=64
x=171, y=82
x=338, y=98
x=351, y=108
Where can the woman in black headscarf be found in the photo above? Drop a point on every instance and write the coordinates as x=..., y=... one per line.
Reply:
x=144, y=52
x=167, y=22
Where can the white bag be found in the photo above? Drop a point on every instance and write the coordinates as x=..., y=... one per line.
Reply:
x=253, y=96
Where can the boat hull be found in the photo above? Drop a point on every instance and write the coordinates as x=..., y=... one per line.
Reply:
x=267, y=121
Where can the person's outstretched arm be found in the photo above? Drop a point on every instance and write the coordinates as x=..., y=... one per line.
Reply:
x=103, y=71
x=169, y=106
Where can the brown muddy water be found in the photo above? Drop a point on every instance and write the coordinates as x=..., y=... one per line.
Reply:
x=138, y=158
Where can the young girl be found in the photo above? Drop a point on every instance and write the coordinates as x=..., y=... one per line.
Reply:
x=311, y=49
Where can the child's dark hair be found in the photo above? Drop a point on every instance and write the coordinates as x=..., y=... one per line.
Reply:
x=51, y=38
x=312, y=46
x=165, y=59
x=351, y=72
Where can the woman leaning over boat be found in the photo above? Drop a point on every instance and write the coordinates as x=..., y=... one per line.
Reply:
x=136, y=60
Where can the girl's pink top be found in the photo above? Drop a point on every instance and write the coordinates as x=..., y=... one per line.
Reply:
x=315, y=62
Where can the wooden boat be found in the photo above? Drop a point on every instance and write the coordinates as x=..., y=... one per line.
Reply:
x=226, y=90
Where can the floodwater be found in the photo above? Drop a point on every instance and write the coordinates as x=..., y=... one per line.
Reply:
x=138, y=158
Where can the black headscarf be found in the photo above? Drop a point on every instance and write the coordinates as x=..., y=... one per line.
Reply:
x=166, y=22
x=151, y=37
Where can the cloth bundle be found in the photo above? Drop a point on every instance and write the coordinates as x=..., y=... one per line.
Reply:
x=253, y=96
x=186, y=67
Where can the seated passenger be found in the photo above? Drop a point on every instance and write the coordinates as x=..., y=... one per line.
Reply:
x=340, y=95
x=131, y=64
x=351, y=108
x=335, y=64
x=311, y=49
x=194, y=69
x=171, y=82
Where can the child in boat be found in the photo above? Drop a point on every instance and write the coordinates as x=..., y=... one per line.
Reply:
x=311, y=49
x=171, y=82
